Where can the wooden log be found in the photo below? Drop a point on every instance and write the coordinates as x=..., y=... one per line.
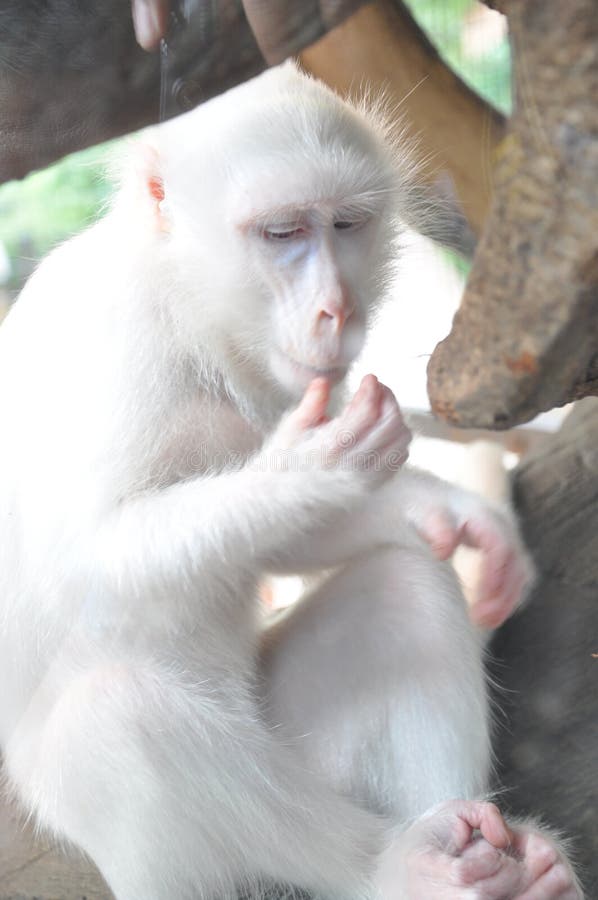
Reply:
x=383, y=48
x=525, y=338
x=547, y=656
x=72, y=75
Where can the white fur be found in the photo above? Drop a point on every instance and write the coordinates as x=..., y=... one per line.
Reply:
x=147, y=715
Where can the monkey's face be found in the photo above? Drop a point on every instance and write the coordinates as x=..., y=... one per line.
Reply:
x=285, y=222
x=317, y=268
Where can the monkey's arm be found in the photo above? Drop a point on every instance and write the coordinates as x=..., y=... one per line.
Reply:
x=232, y=522
x=244, y=521
x=415, y=509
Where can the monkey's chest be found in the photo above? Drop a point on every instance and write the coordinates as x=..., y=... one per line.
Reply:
x=205, y=438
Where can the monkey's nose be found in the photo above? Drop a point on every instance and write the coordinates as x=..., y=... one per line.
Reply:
x=332, y=317
x=331, y=321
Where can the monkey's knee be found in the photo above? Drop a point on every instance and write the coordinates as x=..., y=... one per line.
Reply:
x=66, y=738
x=399, y=590
x=380, y=660
x=384, y=605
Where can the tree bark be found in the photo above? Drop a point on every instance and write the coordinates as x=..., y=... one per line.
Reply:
x=72, y=74
x=525, y=338
x=382, y=47
x=547, y=656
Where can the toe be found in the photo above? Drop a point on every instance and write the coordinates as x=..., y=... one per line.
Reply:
x=478, y=861
x=504, y=881
x=538, y=852
x=493, y=826
x=557, y=883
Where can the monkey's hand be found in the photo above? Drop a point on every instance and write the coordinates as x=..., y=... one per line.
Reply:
x=448, y=517
x=369, y=439
x=150, y=20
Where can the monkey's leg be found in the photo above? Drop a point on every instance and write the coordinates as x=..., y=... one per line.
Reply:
x=175, y=788
x=377, y=677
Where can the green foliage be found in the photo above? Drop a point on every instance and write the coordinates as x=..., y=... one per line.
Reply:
x=51, y=205
x=462, y=265
x=487, y=72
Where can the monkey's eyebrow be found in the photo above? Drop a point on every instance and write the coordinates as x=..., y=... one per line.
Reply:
x=362, y=206
x=281, y=214
x=355, y=212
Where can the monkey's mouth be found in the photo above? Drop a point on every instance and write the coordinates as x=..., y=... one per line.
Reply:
x=298, y=375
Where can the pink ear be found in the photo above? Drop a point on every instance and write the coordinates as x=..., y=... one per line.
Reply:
x=147, y=182
x=156, y=187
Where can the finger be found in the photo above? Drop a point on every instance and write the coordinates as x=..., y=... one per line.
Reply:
x=362, y=412
x=490, y=614
x=499, y=553
x=369, y=390
x=150, y=21
x=312, y=409
x=389, y=397
x=390, y=411
x=439, y=532
x=395, y=454
x=309, y=414
x=270, y=25
x=389, y=430
x=491, y=611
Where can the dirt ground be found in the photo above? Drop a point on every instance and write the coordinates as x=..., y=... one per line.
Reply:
x=30, y=869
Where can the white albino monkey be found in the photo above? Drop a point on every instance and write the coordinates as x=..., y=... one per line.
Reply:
x=150, y=474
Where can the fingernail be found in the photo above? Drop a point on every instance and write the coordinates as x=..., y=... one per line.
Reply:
x=146, y=22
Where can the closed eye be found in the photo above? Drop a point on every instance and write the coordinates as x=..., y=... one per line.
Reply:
x=283, y=233
x=349, y=224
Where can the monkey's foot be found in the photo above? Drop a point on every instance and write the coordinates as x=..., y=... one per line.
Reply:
x=466, y=850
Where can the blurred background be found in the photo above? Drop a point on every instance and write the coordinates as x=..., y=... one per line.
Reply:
x=49, y=206
x=549, y=648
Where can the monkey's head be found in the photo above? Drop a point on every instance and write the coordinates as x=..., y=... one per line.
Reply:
x=281, y=204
